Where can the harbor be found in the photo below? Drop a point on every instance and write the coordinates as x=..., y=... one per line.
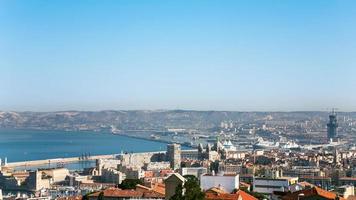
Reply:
x=57, y=161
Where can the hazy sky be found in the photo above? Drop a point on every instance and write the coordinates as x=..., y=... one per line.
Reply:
x=152, y=54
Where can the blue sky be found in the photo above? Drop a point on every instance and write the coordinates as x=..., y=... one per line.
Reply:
x=205, y=55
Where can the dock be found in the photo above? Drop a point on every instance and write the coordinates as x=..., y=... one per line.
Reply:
x=58, y=160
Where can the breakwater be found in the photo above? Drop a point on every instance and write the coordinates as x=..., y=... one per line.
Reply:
x=58, y=160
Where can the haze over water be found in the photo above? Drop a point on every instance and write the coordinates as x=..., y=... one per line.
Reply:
x=23, y=145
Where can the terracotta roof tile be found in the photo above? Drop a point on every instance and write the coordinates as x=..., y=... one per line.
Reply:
x=245, y=195
x=315, y=191
x=217, y=194
x=116, y=192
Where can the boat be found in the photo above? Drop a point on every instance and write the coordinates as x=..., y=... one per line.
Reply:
x=155, y=137
x=114, y=130
x=265, y=144
x=290, y=145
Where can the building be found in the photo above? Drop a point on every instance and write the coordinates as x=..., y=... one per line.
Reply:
x=156, y=188
x=195, y=171
x=218, y=194
x=227, y=182
x=320, y=181
x=157, y=165
x=270, y=185
x=312, y=193
x=174, y=155
x=332, y=127
x=300, y=171
x=191, y=154
x=38, y=180
x=345, y=191
x=118, y=194
x=57, y=174
x=172, y=182
x=347, y=181
x=111, y=175
x=140, y=159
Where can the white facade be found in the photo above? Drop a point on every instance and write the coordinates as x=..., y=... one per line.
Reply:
x=227, y=182
x=269, y=185
x=157, y=165
x=195, y=171
x=111, y=175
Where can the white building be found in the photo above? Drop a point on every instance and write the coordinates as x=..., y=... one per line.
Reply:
x=111, y=175
x=157, y=165
x=228, y=146
x=270, y=185
x=346, y=191
x=191, y=154
x=58, y=174
x=227, y=182
x=195, y=171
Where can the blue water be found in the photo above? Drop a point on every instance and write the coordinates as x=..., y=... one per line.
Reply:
x=23, y=145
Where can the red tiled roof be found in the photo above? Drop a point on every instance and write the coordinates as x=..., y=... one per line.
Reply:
x=153, y=194
x=71, y=198
x=214, y=196
x=245, y=196
x=315, y=191
x=351, y=197
x=116, y=192
x=218, y=194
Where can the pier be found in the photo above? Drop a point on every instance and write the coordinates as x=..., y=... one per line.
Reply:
x=58, y=160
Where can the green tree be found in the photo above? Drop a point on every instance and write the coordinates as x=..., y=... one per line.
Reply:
x=214, y=166
x=178, y=195
x=86, y=196
x=130, y=183
x=101, y=196
x=191, y=189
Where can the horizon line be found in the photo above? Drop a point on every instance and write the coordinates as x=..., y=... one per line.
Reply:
x=165, y=110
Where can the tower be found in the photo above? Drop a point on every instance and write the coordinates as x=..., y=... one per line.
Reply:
x=332, y=127
x=174, y=155
x=99, y=166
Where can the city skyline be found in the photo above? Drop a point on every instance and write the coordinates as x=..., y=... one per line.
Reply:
x=201, y=55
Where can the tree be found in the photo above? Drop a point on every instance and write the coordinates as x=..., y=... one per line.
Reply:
x=214, y=166
x=178, y=195
x=86, y=196
x=191, y=190
x=101, y=196
x=130, y=183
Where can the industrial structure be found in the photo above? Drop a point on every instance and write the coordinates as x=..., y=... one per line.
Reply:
x=332, y=127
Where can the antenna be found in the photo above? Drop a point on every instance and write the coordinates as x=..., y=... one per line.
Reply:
x=334, y=110
x=254, y=151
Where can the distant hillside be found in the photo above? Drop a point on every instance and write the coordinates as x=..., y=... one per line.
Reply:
x=141, y=119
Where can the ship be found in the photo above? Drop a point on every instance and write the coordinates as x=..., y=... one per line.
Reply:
x=265, y=144
x=114, y=130
x=155, y=137
x=290, y=145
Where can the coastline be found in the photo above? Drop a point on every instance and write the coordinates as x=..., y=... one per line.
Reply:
x=74, y=159
x=122, y=133
x=57, y=160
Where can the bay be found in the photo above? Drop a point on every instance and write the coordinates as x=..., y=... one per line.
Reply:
x=25, y=145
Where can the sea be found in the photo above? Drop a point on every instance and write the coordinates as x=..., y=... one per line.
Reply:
x=25, y=145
